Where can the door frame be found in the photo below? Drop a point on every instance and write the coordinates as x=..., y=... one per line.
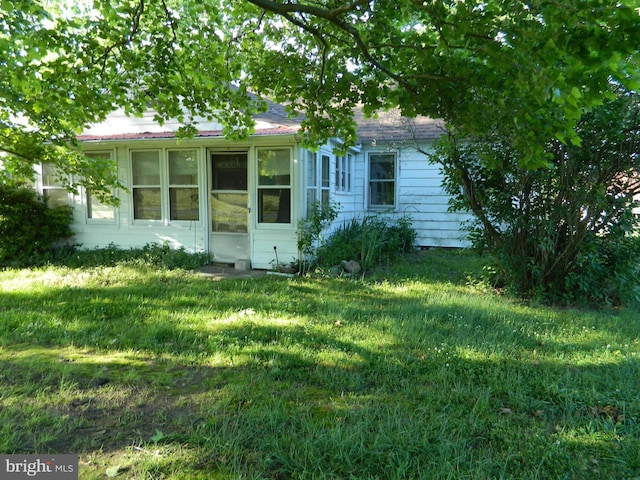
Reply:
x=209, y=153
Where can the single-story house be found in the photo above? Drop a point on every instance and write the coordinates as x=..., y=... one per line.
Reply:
x=236, y=200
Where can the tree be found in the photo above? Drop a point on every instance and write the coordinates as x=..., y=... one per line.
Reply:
x=527, y=68
x=559, y=232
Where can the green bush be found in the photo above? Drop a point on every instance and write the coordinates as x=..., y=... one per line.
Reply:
x=372, y=240
x=28, y=228
x=607, y=272
x=158, y=256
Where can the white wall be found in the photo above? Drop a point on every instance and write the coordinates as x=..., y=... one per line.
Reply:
x=419, y=195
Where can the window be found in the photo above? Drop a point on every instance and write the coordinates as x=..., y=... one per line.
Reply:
x=165, y=185
x=274, y=186
x=324, y=184
x=96, y=210
x=312, y=180
x=146, y=189
x=343, y=173
x=183, y=185
x=53, y=189
x=318, y=180
x=382, y=180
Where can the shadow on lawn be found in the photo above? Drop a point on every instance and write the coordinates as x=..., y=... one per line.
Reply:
x=128, y=364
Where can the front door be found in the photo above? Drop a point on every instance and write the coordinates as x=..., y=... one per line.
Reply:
x=229, y=238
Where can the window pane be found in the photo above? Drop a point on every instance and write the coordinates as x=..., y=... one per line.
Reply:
x=382, y=193
x=311, y=170
x=325, y=171
x=184, y=204
x=183, y=167
x=56, y=197
x=229, y=171
x=274, y=205
x=382, y=167
x=146, y=204
x=274, y=167
x=49, y=176
x=229, y=212
x=146, y=168
x=311, y=198
x=98, y=210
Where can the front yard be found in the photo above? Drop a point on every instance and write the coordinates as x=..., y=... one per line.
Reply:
x=149, y=373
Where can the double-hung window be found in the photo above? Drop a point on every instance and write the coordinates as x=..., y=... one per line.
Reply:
x=98, y=211
x=325, y=179
x=382, y=180
x=343, y=173
x=184, y=201
x=318, y=180
x=274, y=185
x=312, y=180
x=53, y=189
x=165, y=185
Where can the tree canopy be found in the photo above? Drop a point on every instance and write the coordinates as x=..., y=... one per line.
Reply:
x=529, y=69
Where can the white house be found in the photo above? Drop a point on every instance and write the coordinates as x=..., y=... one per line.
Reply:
x=239, y=199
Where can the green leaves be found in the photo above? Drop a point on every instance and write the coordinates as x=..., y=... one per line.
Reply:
x=529, y=69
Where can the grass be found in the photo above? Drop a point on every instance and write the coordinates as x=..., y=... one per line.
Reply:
x=151, y=373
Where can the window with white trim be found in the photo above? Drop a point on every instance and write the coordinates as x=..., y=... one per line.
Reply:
x=53, y=189
x=98, y=211
x=184, y=196
x=165, y=185
x=325, y=179
x=343, y=173
x=318, y=179
x=274, y=185
x=382, y=180
x=312, y=180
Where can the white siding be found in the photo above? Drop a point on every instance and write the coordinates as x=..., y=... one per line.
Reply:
x=125, y=232
x=420, y=196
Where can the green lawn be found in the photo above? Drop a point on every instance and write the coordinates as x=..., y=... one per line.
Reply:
x=149, y=373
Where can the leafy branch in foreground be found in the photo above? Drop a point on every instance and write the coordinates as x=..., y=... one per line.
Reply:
x=530, y=69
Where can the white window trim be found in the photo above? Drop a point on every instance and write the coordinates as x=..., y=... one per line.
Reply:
x=269, y=225
x=165, y=209
x=396, y=171
x=84, y=192
x=344, y=174
x=42, y=188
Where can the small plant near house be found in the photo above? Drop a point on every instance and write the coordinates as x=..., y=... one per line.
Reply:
x=310, y=229
x=28, y=228
x=372, y=240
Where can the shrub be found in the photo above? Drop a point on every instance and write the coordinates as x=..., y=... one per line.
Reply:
x=28, y=228
x=607, y=272
x=310, y=229
x=372, y=240
x=158, y=256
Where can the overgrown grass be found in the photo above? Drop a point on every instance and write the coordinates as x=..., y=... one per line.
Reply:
x=416, y=373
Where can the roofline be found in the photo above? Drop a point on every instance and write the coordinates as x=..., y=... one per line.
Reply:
x=277, y=131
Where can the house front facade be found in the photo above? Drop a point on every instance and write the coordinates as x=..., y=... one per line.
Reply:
x=241, y=200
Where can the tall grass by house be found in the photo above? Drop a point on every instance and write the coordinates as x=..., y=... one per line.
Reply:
x=421, y=372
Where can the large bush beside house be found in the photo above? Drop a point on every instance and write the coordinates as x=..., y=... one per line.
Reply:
x=562, y=233
x=28, y=228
